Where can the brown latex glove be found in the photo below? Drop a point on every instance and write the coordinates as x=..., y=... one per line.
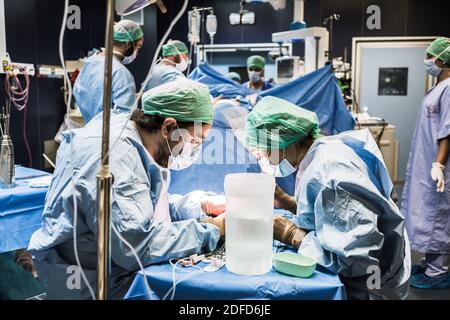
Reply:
x=287, y=232
x=25, y=260
x=218, y=221
x=284, y=201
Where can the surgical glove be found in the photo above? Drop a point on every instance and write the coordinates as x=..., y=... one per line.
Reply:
x=437, y=174
x=287, y=232
x=218, y=221
x=284, y=201
x=213, y=205
x=252, y=98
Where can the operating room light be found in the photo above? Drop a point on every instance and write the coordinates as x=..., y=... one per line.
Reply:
x=246, y=17
x=126, y=7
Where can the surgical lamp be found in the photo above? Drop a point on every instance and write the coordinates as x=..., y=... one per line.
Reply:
x=298, y=21
x=243, y=16
x=276, y=4
x=126, y=7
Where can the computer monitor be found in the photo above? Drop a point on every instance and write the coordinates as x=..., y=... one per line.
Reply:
x=287, y=69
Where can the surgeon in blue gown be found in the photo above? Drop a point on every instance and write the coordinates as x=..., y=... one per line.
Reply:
x=88, y=88
x=175, y=60
x=141, y=211
x=345, y=217
x=426, y=196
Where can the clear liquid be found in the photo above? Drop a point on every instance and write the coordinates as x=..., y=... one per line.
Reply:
x=249, y=245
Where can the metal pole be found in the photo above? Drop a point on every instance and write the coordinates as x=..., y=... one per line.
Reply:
x=330, y=50
x=2, y=32
x=317, y=51
x=104, y=177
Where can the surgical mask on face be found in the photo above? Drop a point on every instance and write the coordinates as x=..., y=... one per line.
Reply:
x=129, y=59
x=431, y=67
x=283, y=169
x=183, y=65
x=254, y=76
x=188, y=155
x=430, y=64
x=186, y=158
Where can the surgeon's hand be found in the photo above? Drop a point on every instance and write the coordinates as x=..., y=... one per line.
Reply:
x=252, y=98
x=219, y=222
x=287, y=232
x=284, y=201
x=437, y=174
x=213, y=205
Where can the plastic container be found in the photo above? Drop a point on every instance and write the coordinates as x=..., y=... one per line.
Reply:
x=294, y=264
x=249, y=223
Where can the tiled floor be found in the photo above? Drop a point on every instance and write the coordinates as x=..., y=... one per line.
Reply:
x=419, y=294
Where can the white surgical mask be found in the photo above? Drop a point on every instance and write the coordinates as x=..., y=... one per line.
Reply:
x=254, y=76
x=129, y=59
x=183, y=65
x=283, y=169
x=430, y=64
x=187, y=156
x=431, y=67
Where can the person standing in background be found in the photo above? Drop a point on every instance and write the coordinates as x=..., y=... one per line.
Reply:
x=175, y=60
x=255, y=68
x=426, y=197
x=88, y=88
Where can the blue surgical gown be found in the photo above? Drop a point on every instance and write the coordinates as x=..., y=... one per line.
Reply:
x=266, y=86
x=426, y=211
x=343, y=199
x=88, y=88
x=162, y=74
x=135, y=192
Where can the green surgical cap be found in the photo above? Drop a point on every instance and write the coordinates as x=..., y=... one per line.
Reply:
x=275, y=123
x=127, y=31
x=174, y=48
x=184, y=100
x=256, y=61
x=440, y=48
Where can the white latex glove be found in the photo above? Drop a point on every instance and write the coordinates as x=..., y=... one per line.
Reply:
x=437, y=174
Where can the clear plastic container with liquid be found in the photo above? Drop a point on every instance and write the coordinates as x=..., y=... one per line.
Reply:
x=249, y=222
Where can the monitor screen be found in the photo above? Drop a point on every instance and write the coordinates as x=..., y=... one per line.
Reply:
x=285, y=68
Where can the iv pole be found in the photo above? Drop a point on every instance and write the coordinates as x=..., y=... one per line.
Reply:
x=104, y=176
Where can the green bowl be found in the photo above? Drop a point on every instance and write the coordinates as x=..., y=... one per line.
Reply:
x=294, y=264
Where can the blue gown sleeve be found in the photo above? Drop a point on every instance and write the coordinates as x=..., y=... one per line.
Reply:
x=345, y=225
x=154, y=241
x=444, y=123
x=162, y=75
x=132, y=212
x=123, y=89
